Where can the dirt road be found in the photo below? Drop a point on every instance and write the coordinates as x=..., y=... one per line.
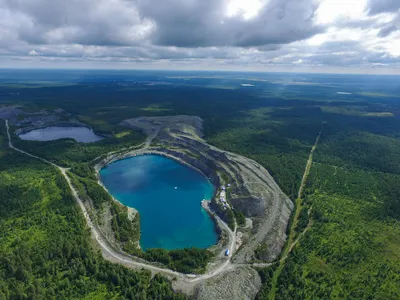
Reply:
x=114, y=256
x=291, y=243
x=226, y=265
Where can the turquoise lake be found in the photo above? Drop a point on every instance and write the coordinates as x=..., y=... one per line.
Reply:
x=167, y=195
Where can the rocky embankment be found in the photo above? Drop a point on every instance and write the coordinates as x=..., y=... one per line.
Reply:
x=252, y=190
x=239, y=283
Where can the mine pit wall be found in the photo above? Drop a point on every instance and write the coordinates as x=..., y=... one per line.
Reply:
x=260, y=199
x=202, y=158
x=237, y=185
x=242, y=204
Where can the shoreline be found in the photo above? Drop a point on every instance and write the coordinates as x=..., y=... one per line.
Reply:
x=25, y=130
x=100, y=165
x=205, y=204
x=131, y=210
x=103, y=163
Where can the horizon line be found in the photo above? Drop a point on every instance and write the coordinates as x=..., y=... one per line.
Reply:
x=197, y=70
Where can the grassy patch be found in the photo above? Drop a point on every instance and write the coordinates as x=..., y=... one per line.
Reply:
x=122, y=134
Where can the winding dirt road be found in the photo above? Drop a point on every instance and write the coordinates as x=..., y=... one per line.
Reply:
x=113, y=255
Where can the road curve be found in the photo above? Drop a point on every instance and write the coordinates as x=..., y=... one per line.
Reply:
x=125, y=259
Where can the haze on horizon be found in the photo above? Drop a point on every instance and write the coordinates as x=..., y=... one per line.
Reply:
x=340, y=36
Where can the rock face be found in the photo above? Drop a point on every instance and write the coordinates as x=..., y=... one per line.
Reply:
x=254, y=210
x=252, y=190
x=240, y=283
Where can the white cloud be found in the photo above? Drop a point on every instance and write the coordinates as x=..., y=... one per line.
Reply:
x=33, y=53
x=239, y=34
x=248, y=9
x=331, y=11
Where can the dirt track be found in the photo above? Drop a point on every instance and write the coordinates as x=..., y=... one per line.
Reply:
x=114, y=256
x=291, y=243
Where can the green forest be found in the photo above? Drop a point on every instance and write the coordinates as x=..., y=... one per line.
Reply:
x=351, y=250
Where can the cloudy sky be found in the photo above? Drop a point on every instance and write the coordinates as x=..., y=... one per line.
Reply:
x=263, y=35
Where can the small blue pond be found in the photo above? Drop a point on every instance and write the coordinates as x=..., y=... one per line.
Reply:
x=168, y=196
x=80, y=134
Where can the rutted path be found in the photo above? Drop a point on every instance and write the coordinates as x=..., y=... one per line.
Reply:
x=114, y=256
x=290, y=242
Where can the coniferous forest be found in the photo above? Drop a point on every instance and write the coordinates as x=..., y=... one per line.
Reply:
x=351, y=200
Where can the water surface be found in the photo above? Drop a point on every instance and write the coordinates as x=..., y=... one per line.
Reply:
x=168, y=196
x=79, y=134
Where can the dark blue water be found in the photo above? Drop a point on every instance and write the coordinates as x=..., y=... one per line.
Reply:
x=167, y=196
x=80, y=134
